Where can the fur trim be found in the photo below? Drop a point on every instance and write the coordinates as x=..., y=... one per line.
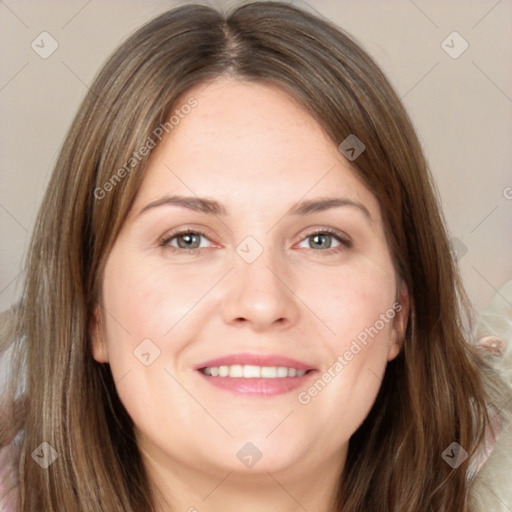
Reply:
x=492, y=491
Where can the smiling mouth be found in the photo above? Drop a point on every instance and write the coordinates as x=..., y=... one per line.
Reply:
x=255, y=375
x=255, y=381
x=253, y=371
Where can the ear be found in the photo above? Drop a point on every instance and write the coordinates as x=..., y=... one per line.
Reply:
x=98, y=345
x=401, y=307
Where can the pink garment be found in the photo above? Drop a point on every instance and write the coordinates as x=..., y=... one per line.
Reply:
x=8, y=480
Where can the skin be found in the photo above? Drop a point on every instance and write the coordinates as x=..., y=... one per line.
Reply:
x=252, y=148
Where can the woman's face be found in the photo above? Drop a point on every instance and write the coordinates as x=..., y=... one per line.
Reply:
x=269, y=275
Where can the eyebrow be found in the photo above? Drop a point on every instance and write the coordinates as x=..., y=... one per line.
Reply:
x=212, y=207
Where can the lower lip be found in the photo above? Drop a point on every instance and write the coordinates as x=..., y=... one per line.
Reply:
x=258, y=387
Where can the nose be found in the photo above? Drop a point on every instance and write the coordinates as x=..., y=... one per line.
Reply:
x=260, y=294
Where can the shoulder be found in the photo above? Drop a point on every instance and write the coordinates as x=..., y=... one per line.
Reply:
x=8, y=484
x=492, y=489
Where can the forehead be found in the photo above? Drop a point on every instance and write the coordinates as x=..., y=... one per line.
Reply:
x=250, y=141
x=242, y=118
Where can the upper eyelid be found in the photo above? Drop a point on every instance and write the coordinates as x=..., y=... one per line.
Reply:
x=173, y=233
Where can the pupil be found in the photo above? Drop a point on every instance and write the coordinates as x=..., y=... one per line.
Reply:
x=188, y=239
x=318, y=237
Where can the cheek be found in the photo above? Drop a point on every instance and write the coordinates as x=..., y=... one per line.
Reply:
x=149, y=318
x=345, y=391
x=140, y=309
x=357, y=308
x=147, y=301
x=351, y=299
x=133, y=307
x=346, y=387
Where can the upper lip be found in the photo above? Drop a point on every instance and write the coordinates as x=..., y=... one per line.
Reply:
x=255, y=360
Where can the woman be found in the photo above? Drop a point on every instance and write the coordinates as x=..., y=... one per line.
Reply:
x=240, y=292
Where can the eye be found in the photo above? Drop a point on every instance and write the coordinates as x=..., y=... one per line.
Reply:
x=322, y=239
x=186, y=240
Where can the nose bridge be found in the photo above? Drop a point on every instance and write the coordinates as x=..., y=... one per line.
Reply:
x=258, y=265
x=257, y=291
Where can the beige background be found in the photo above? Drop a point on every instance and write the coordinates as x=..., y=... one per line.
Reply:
x=461, y=107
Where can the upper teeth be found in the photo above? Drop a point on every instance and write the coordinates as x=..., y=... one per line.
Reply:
x=252, y=372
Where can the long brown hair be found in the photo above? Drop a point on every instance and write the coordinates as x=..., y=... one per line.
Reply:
x=434, y=393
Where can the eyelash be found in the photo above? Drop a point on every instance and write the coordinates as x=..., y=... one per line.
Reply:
x=345, y=242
